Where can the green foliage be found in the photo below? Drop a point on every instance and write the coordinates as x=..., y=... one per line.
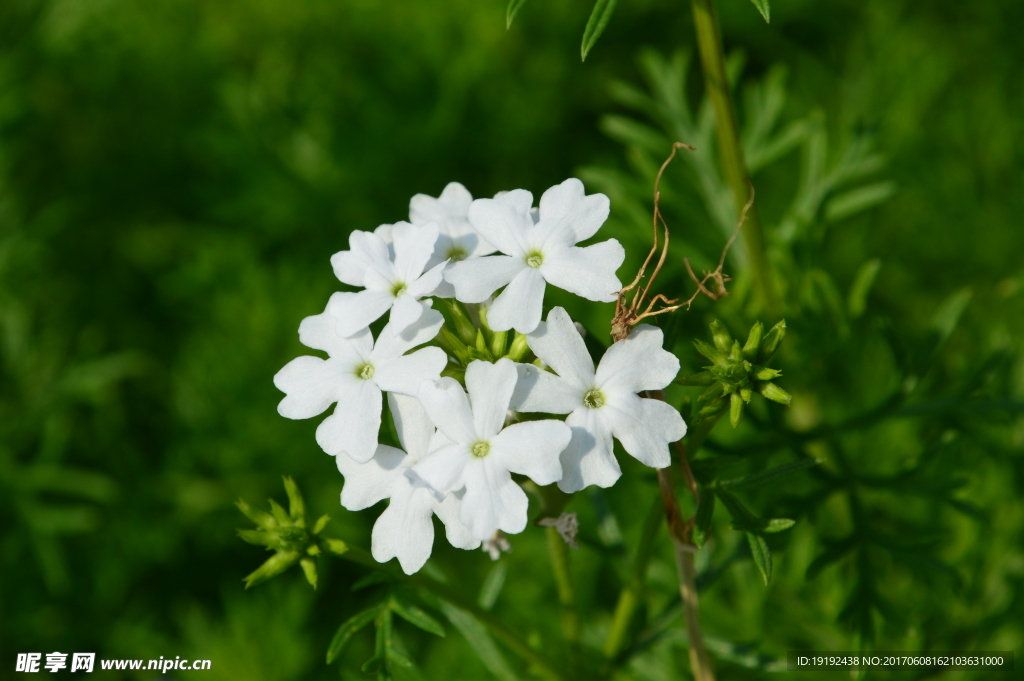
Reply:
x=598, y=21
x=764, y=9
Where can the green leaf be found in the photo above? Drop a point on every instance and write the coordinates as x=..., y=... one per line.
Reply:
x=779, y=525
x=834, y=551
x=416, y=617
x=492, y=585
x=512, y=10
x=296, y=506
x=710, y=352
x=347, y=630
x=770, y=475
x=742, y=518
x=369, y=580
x=762, y=555
x=596, y=24
x=857, y=300
x=764, y=9
x=857, y=200
x=480, y=641
x=705, y=512
x=948, y=315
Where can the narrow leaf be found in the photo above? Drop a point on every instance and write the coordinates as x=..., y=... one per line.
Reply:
x=778, y=525
x=512, y=10
x=480, y=641
x=857, y=200
x=416, y=617
x=261, y=518
x=742, y=518
x=769, y=475
x=762, y=555
x=492, y=585
x=596, y=24
x=348, y=629
x=705, y=512
x=857, y=300
x=764, y=9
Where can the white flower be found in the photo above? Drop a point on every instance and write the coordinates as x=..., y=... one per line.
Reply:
x=602, y=404
x=392, y=277
x=354, y=376
x=482, y=455
x=404, y=530
x=457, y=240
x=536, y=254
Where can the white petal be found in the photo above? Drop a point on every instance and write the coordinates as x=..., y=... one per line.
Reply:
x=405, y=374
x=404, y=530
x=504, y=221
x=519, y=305
x=412, y=424
x=567, y=204
x=492, y=501
x=310, y=384
x=354, y=425
x=458, y=534
x=589, y=459
x=490, y=390
x=532, y=449
x=448, y=407
x=320, y=332
x=442, y=470
x=390, y=345
x=559, y=344
x=588, y=272
x=404, y=313
x=366, y=263
x=414, y=244
x=428, y=282
x=476, y=279
x=645, y=427
x=356, y=311
x=453, y=203
x=638, y=362
x=367, y=483
x=542, y=391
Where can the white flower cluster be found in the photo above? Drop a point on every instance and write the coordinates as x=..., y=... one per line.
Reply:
x=458, y=454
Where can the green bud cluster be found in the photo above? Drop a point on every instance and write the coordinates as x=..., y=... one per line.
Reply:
x=286, y=533
x=466, y=339
x=737, y=372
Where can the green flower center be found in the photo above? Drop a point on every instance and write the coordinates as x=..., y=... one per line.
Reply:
x=365, y=371
x=456, y=253
x=480, y=449
x=534, y=259
x=593, y=399
x=398, y=288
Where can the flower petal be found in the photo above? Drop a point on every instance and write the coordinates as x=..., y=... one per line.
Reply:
x=448, y=407
x=638, y=362
x=414, y=427
x=490, y=389
x=567, y=204
x=404, y=530
x=519, y=306
x=504, y=221
x=451, y=206
x=356, y=311
x=354, y=425
x=589, y=459
x=389, y=345
x=476, y=279
x=310, y=385
x=414, y=244
x=370, y=482
x=404, y=312
x=320, y=332
x=588, y=272
x=428, y=282
x=443, y=470
x=645, y=427
x=532, y=449
x=492, y=501
x=458, y=534
x=405, y=374
x=559, y=344
x=366, y=263
x=542, y=391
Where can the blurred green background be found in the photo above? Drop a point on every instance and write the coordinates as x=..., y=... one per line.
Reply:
x=175, y=174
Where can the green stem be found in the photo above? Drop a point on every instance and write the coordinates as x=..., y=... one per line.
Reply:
x=632, y=593
x=559, y=552
x=540, y=664
x=709, y=41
